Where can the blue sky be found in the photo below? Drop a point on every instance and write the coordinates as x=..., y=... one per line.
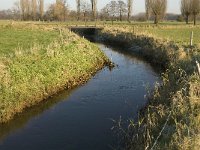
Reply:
x=173, y=5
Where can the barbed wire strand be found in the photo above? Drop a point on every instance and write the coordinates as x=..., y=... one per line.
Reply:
x=161, y=131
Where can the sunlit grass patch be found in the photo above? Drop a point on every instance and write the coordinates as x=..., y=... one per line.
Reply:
x=12, y=38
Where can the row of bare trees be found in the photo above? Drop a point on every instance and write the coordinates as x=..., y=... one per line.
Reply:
x=87, y=10
x=157, y=8
x=34, y=10
x=190, y=7
x=112, y=9
x=84, y=6
x=31, y=9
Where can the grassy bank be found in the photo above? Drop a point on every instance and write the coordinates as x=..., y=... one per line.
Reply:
x=171, y=120
x=37, y=62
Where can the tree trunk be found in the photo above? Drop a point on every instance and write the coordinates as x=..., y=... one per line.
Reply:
x=85, y=18
x=78, y=9
x=41, y=9
x=187, y=19
x=195, y=18
x=129, y=7
x=129, y=17
x=64, y=15
x=120, y=16
x=156, y=20
x=93, y=13
x=112, y=19
x=23, y=16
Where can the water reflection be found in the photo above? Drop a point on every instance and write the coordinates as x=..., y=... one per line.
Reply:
x=23, y=118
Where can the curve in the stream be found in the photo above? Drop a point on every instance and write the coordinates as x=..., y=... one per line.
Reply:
x=82, y=118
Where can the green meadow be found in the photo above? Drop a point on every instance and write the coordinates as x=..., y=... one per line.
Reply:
x=13, y=38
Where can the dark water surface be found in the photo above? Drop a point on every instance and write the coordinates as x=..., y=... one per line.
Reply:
x=81, y=119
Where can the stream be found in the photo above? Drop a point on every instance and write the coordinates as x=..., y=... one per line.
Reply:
x=82, y=118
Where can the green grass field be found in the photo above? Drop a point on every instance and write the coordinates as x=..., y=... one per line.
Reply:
x=13, y=38
x=181, y=35
x=178, y=32
x=174, y=31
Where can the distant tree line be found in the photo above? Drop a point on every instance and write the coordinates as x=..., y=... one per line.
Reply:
x=158, y=8
x=87, y=10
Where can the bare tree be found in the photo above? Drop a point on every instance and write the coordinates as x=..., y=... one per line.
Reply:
x=41, y=8
x=148, y=8
x=104, y=14
x=16, y=10
x=34, y=9
x=78, y=5
x=158, y=8
x=65, y=9
x=195, y=4
x=85, y=9
x=113, y=10
x=94, y=9
x=58, y=7
x=130, y=8
x=60, y=10
x=23, y=8
x=122, y=8
x=28, y=9
x=49, y=15
x=186, y=9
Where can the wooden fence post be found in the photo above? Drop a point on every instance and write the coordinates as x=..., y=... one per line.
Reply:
x=198, y=67
x=191, y=38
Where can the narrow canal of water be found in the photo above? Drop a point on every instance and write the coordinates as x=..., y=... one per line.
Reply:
x=81, y=119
